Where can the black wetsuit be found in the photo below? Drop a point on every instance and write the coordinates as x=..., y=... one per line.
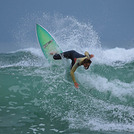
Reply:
x=73, y=55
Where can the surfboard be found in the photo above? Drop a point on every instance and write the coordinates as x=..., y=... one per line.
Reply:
x=47, y=42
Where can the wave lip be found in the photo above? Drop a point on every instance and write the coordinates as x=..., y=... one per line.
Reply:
x=116, y=56
x=23, y=58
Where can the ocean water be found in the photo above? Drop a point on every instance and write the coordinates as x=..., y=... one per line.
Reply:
x=40, y=98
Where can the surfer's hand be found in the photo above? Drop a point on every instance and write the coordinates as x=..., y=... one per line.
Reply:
x=91, y=56
x=76, y=85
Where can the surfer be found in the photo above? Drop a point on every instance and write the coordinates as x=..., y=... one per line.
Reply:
x=77, y=60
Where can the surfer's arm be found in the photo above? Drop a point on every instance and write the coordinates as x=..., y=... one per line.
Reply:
x=72, y=74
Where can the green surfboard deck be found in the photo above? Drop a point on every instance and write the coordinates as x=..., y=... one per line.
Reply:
x=47, y=42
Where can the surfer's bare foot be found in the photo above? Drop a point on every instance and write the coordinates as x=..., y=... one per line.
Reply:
x=52, y=53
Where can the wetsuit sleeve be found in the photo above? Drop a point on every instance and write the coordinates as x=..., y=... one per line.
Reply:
x=75, y=66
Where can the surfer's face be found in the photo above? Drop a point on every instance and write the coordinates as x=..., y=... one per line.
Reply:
x=86, y=65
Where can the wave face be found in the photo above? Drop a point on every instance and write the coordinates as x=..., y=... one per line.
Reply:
x=37, y=97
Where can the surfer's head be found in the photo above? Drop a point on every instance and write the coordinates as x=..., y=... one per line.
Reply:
x=86, y=63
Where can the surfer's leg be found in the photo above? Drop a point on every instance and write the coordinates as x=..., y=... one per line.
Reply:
x=68, y=54
x=57, y=56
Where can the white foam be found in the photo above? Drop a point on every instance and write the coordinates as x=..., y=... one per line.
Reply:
x=100, y=120
x=116, y=87
x=115, y=55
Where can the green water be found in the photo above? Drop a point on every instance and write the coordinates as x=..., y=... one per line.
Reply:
x=39, y=98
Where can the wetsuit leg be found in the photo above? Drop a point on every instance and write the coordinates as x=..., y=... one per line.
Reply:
x=57, y=56
x=67, y=54
x=70, y=55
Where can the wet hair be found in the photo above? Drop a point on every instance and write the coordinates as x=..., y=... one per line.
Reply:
x=87, y=61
